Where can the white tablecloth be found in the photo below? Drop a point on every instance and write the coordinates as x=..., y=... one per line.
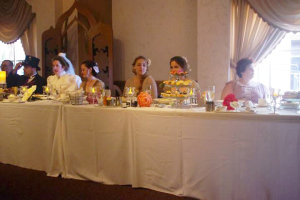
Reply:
x=27, y=132
x=184, y=152
x=97, y=144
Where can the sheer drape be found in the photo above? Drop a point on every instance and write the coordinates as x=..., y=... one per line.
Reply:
x=250, y=35
x=283, y=14
x=29, y=39
x=15, y=17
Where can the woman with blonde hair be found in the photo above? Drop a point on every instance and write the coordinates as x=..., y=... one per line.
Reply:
x=141, y=80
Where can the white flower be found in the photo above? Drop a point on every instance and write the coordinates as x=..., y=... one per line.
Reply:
x=96, y=69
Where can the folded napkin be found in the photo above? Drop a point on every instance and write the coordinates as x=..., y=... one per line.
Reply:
x=28, y=93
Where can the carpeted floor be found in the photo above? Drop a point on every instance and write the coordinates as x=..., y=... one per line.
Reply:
x=20, y=183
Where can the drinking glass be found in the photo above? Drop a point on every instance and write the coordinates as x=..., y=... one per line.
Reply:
x=148, y=89
x=107, y=93
x=274, y=95
x=210, y=93
x=46, y=90
x=15, y=89
x=126, y=90
x=23, y=89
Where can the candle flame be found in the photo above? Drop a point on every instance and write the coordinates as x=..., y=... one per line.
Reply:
x=130, y=91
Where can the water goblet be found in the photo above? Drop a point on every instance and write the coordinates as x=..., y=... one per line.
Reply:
x=148, y=89
x=274, y=95
x=46, y=90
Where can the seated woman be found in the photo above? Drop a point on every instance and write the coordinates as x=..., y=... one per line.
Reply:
x=180, y=63
x=89, y=70
x=62, y=81
x=141, y=80
x=244, y=88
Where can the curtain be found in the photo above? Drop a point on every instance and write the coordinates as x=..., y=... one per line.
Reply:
x=29, y=39
x=15, y=17
x=283, y=14
x=250, y=36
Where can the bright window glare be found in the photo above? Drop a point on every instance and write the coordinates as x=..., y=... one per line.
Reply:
x=13, y=52
x=281, y=69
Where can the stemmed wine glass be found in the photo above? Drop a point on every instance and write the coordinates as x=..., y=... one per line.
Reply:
x=46, y=90
x=274, y=95
x=23, y=89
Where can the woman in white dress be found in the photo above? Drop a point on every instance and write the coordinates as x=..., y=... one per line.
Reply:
x=64, y=79
x=141, y=81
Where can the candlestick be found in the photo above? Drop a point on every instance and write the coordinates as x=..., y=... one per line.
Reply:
x=2, y=77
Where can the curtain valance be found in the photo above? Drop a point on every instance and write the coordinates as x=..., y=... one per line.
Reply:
x=15, y=18
x=250, y=36
x=282, y=14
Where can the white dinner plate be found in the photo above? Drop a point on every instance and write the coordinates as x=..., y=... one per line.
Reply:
x=164, y=100
x=13, y=101
x=232, y=111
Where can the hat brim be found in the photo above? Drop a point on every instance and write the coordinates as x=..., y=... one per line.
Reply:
x=34, y=66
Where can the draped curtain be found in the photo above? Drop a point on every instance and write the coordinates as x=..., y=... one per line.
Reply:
x=251, y=37
x=29, y=39
x=15, y=18
x=283, y=14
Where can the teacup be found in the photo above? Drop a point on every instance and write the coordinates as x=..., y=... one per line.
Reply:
x=249, y=104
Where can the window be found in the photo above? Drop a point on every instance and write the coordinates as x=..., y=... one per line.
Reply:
x=13, y=52
x=281, y=69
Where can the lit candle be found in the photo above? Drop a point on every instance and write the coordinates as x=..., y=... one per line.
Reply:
x=2, y=77
x=130, y=91
x=47, y=89
x=191, y=92
x=93, y=90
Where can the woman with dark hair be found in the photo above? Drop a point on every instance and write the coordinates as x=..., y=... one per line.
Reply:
x=89, y=71
x=62, y=81
x=245, y=88
x=178, y=63
x=141, y=81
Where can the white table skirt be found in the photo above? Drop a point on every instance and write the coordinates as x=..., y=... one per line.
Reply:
x=97, y=145
x=27, y=133
x=201, y=155
x=183, y=152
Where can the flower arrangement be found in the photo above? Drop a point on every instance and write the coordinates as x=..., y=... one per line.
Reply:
x=92, y=98
x=179, y=72
x=229, y=98
x=144, y=99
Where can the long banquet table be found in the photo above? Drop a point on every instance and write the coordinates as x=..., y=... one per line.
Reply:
x=27, y=134
x=182, y=152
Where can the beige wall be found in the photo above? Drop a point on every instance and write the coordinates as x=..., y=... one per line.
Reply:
x=158, y=29
x=197, y=29
x=45, y=17
x=213, y=43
